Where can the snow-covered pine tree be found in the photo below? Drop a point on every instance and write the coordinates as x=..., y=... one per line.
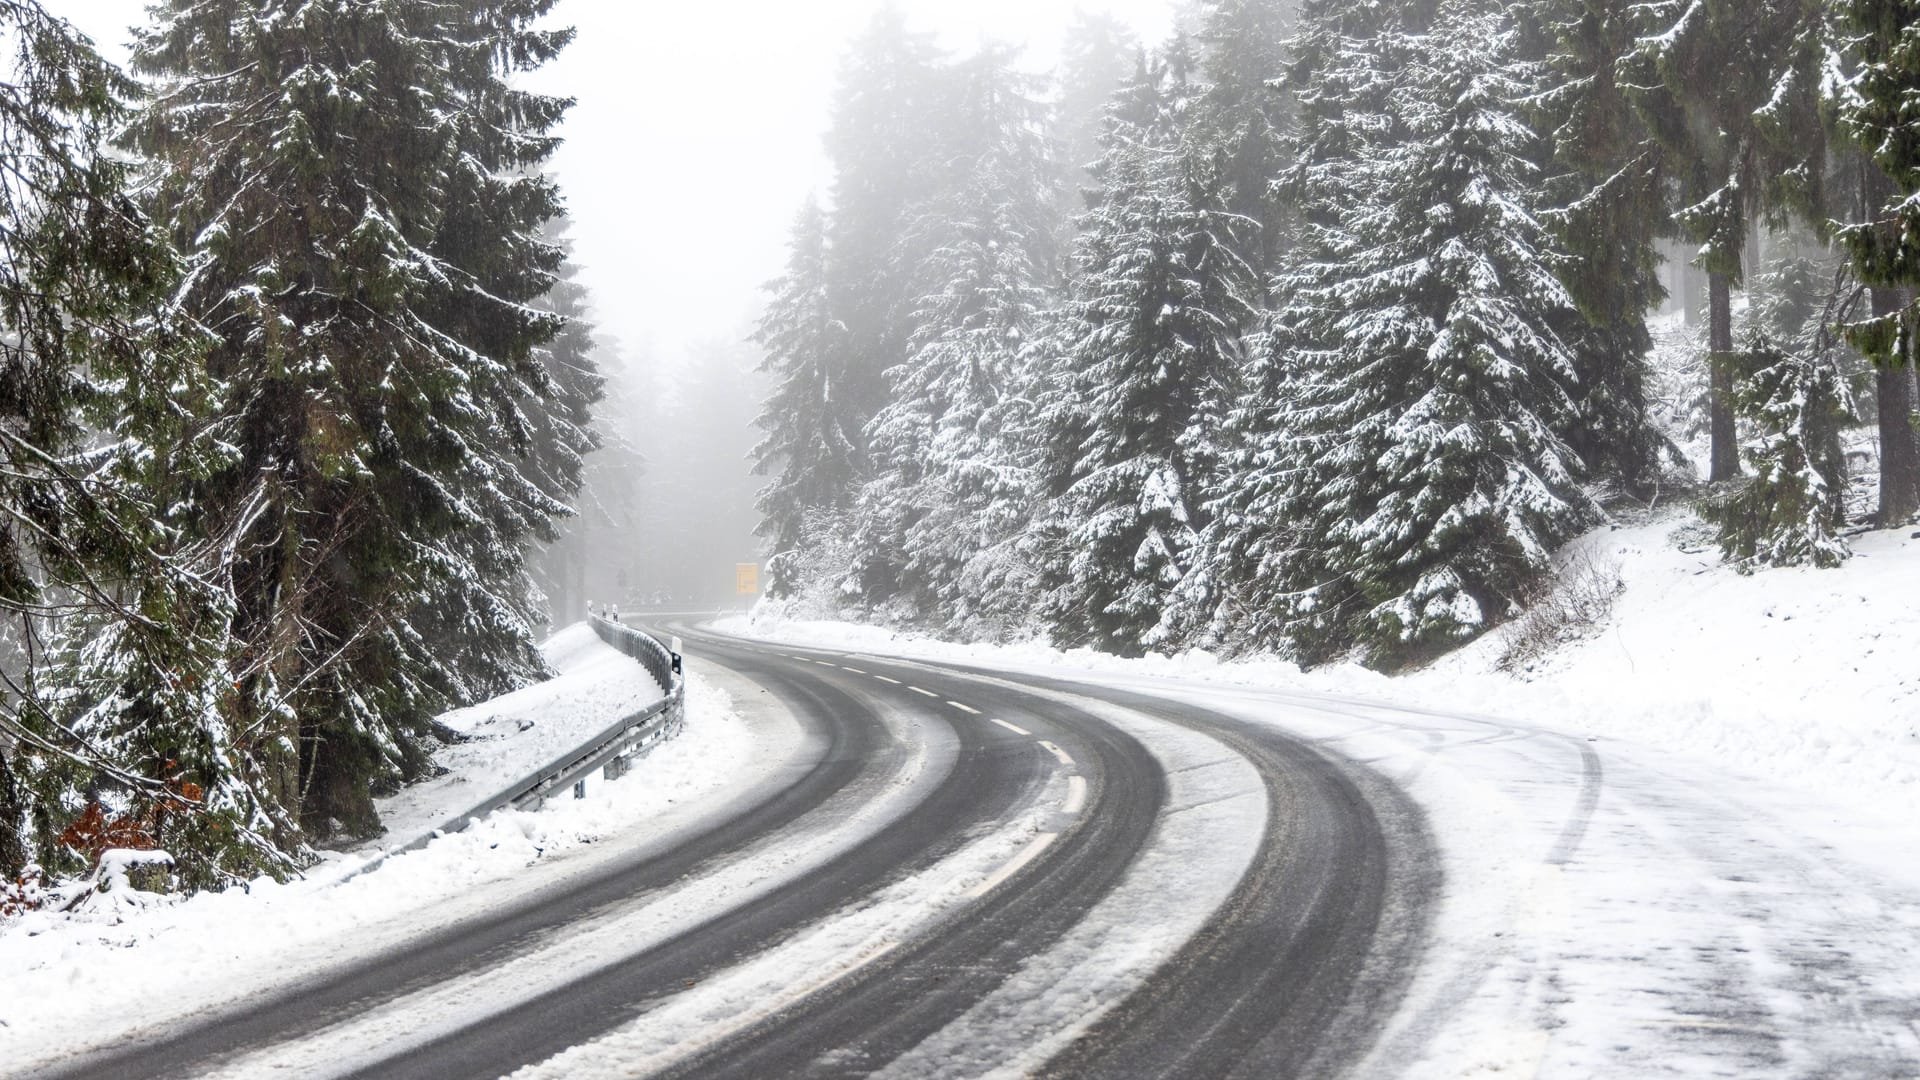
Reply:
x=120, y=714
x=1606, y=188
x=1151, y=345
x=1245, y=115
x=1717, y=82
x=1876, y=110
x=887, y=160
x=356, y=187
x=1097, y=56
x=1795, y=403
x=1341, y=113
x=564, y=434
x=949, y=484
x=811, y=420
x=480, y=626
x=1421, y=470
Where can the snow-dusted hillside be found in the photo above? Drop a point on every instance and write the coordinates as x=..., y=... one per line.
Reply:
x=1801, y=676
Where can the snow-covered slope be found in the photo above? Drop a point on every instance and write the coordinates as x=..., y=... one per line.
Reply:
x=1805, y=677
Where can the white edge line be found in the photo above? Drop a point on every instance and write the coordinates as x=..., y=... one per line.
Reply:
x=1076, y=795
x=964, y=708
x=1027, y=855
x=1015, y=728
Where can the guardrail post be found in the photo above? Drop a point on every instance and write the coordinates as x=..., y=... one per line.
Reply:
x=580, y=788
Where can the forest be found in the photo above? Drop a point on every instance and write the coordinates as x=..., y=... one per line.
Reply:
x=1317, y=329
x=297, y=386
x=1314, y=330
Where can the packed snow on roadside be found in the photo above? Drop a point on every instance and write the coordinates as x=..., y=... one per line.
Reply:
x=515, y=733
x=156, y=961
x=1804, y=677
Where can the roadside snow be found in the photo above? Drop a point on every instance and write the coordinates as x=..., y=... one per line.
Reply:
x=166, y=963
x=1804, y=677
x=516, y=733
x=1683, y=845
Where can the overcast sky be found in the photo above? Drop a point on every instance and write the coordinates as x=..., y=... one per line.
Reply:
x=697, y=135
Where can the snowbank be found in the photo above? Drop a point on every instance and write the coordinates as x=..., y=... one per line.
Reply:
x=1805, y=677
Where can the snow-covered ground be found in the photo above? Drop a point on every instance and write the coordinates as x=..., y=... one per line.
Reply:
x=1804, y=677
x=513, y=734
x=162, y=961
x=1682, y=845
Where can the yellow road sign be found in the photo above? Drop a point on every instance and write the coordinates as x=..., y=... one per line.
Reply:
x=746, y=578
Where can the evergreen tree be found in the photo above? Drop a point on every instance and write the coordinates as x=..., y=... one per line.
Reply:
x=946, y=482
x=564, y=435
x=1795, y=401
x=120, y=716
x=811, y=420
x=1608, y=188
x=1097, y=57
x=1245, y=115
x=1418, y=460
x=1876, y=109
x=886, y=147
x=1151, y=340
x=1728, y=89
x=355, y=185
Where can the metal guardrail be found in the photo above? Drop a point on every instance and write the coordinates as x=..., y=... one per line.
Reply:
x=612, y=750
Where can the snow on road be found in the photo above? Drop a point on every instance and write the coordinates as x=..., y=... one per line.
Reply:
x=1682, y=847
x=1202, y=845
x=89, y=979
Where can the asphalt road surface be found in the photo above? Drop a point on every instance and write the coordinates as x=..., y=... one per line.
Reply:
x=1294, y=974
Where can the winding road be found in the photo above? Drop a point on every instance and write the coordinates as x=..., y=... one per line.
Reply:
x=964, y=872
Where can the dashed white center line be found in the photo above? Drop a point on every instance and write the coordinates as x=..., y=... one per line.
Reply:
x=823, y=663
x=855, y=670
x=1027, y=855
x=1057, y=752
x=883, y=678
x=964, y=708
x=1015, y=728
x=917, y=690
x=1076, y=795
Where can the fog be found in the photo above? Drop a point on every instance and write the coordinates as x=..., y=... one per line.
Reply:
x=696, y=133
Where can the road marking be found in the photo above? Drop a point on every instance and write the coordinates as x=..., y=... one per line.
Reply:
x=1076, y=795
x=1057, y=752
x=823, y=663
x=917, y=690
x=855, y=670
x=883, y=678
x=1015, y=728
x=964, y=708
x=1027, y=855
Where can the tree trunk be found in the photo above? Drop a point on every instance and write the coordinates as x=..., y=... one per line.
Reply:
x=1725, y=454
x=1691, y=294
x=1899, y=450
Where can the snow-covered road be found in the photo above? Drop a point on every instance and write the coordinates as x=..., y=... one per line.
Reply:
x=959, y=863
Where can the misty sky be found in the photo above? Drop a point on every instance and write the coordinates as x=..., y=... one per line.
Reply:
x=697, y=135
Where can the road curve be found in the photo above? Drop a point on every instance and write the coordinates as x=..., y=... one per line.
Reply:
x=851, y=745
x=1293, y=976
x=994, y=772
